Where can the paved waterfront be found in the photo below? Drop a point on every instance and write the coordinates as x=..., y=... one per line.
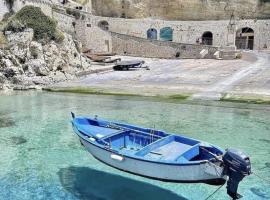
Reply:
x=248, y=77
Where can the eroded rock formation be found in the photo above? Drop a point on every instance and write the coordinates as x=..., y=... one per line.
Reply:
x=25, y=63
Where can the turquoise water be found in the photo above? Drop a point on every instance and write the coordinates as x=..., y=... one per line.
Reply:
x=41, y=158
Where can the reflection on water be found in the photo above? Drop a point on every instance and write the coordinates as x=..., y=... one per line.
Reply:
x=259, y=192
x=41, y=158
x=87, y=183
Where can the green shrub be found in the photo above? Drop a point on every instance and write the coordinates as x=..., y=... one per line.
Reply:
x=15, y=25
x=3, y=39
x=32, y=17
x=59, y=36
x=238, y=55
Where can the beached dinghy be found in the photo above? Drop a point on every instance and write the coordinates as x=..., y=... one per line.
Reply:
x=159, y=155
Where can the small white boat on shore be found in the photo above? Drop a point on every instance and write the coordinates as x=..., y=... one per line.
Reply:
x=159, y=155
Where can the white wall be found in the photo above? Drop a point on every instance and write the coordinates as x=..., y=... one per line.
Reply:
x=3, y=9
x=189, y=31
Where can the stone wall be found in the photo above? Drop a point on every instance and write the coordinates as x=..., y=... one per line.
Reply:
x=92, y=37
x=183, y=9
x=190, y=31
x=65, y=21
x=3, y=9
x=134, y=46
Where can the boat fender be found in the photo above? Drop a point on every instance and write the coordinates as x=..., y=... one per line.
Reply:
x=117, y=157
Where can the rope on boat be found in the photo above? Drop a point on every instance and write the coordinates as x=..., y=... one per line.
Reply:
x=209, y=197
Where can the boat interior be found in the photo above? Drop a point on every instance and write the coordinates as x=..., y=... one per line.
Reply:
x=148, y=144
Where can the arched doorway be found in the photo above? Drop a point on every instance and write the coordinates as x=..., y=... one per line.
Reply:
x=245, y=38
x=207, y=38
x=166, y=34
x=152, y=34
x=104, y=25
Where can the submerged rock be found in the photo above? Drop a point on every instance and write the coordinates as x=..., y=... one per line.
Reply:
x=265, y=140
x=18, y=140
x=6, y=122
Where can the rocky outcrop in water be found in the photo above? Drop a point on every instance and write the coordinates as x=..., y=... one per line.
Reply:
x=25, y=63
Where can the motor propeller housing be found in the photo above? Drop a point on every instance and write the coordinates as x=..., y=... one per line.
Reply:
x=236, y=166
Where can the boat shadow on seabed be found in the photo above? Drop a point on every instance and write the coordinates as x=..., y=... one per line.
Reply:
x=87, y=183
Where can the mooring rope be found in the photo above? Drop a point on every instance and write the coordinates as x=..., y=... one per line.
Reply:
x=214, y=192
x=262, y=178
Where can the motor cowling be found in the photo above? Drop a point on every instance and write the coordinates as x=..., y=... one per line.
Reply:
x=236, y=166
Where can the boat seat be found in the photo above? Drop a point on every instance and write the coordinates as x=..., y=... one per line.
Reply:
x=96, y=131
x=172, y=150
x=189, y=154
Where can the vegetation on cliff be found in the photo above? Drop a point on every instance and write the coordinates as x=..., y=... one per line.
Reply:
x=45, y=28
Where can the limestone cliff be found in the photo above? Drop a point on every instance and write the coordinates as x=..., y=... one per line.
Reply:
x=27, y=63
x=183, y=9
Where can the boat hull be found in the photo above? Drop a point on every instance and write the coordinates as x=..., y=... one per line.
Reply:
x=195, y=173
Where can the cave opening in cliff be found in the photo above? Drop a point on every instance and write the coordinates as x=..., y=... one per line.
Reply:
x=245, y=38
x=166, y=34
x=207, y=38
x=152, y=34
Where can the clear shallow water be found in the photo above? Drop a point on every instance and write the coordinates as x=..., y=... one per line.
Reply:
x=41, y=158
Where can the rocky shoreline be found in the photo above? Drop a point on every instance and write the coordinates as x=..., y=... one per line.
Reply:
x=28, y=64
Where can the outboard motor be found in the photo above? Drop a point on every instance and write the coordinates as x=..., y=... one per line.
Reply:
x=236, y=166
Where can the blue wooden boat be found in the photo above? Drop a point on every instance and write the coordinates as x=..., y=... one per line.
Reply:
x=159, y=155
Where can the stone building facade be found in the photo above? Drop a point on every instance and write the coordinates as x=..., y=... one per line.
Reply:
x=100, y=33
x=222, y=32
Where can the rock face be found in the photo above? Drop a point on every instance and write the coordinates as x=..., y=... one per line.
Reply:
x=27, y=63
x=183, y=9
